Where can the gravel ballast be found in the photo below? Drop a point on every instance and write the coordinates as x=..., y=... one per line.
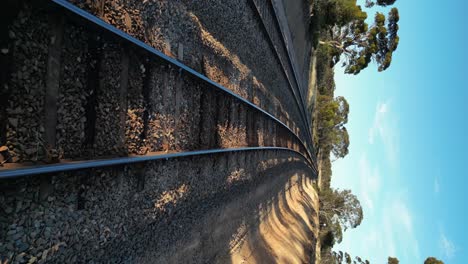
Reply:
x=122, y=214
x=116, y=100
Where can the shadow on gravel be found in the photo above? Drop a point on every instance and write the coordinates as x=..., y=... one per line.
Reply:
x=190, y=210
x=252, y=222
x=284, y=233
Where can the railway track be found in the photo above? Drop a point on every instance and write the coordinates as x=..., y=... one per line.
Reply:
x=93, y=164
x=116, y=59
x=267, y=15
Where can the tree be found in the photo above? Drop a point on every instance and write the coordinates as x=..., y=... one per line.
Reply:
x=341, y=208
x=359, y=45
x=342, y=257
x=332, y=257
x=333, y=115
x=384, y=3
x=340, y=142
x=342, y=110
x=341, y=12
x=336, y=229
x=432, y=260
x=352, y=40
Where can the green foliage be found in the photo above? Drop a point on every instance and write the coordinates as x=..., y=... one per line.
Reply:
x=383, y=3
x=332, y=116
x=356, y=43
x=341, y=206
x=432, y=260
x=341, y=12
x=340, y=257
x=332, y=257
x=339, y=211
x=326, y=88
x=325, y=74
x=326, y=171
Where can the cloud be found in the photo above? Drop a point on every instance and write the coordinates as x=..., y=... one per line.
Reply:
x=385, y=127
x=382, y=109
x=370, y=182
x=447, y=246
x=403, y=215
x=400, y=226
x=389, y=236
x=436, y=185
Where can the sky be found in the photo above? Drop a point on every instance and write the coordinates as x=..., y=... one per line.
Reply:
x=408, y=134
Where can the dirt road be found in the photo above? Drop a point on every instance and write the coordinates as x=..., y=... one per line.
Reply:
x=286, y=232
x=272, y=220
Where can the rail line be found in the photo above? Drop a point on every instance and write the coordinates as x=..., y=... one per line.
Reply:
x=88, y=164
x=87, y=18
x=111, y=29
x=289, y=72
x=287, y=42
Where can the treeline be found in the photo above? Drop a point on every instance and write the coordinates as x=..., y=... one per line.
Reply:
x=339, y=209
x=330, y=117
x=343, y=37
x=345, y=258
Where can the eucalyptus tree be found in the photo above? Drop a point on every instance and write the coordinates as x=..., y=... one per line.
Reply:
x=341, y=207
x=384, y=3
x=354, y=42
x=332, y=134
x=357, y=44
x=432, y=260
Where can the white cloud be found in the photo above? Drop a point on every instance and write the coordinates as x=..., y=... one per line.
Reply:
x=370, y=182
x=401, y=227
x=381, y=110
x=436, y=185
x=389, y=236
x=447, y=246
x=403, y=215
x=385, y=127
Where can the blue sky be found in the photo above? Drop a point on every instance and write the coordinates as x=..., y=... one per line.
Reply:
x=408, y=131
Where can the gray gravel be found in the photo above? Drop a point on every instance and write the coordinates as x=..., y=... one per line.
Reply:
x=198, y=29
x=116, y=216
x=107, y=133
x=27, y=86
x=174, y=116
x=71, y=112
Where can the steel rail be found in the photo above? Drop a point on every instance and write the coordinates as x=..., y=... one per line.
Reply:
x=88, y=164
x=291, y=57
x=290, y=52
x=80, y=13
x=299, y=102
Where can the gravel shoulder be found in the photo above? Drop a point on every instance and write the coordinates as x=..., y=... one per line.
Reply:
x=272, y=221
x=285, y=232
x=190, y=210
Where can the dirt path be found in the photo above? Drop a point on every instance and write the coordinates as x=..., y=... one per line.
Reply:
x=270, y=220
x=285, y=235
